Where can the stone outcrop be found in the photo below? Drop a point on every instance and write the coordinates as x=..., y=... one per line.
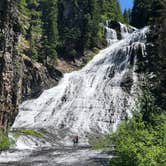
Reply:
x=20, y=77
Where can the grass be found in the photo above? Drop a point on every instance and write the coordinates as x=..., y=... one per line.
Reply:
x=4, y=141
x=44, y=131
x=28, y=132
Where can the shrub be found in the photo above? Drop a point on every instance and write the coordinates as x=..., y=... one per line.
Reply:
x=4, y=141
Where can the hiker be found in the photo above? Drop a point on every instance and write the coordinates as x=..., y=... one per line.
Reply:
x=75, y=140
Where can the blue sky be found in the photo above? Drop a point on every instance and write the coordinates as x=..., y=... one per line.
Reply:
x=126, y=4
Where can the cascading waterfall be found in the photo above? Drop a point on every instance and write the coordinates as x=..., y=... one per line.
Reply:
x=93, y=100
x=111, y=36
x=126, y=30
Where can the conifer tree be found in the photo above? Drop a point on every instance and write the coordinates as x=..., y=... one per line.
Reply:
x=141, y=13
x=50, y=31
x=66, y=28
x=35, y=30
x=126, y=16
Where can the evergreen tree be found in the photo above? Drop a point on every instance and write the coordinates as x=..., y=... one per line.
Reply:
x=35, y=29
x=126, y=16
x=50, y=31
x=78, y=30
x=65, y=28
x=141, y=13
x=30, y=18
x=110, y=10
x=157, y=58
x=79, y=24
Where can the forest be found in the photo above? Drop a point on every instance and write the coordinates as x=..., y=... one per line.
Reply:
x=66, y=29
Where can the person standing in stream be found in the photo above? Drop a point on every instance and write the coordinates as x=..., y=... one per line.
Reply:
x=75, y=140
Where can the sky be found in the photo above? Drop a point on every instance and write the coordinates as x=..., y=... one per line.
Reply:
x=126, y=4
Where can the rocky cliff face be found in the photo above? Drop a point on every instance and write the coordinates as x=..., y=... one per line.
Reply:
x=9, y=37
x=20, y=77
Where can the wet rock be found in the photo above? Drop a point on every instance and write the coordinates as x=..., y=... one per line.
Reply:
x=127, y=82
x=34, y=78
x=120, y=28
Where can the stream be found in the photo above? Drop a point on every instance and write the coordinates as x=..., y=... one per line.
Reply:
x=62, y=156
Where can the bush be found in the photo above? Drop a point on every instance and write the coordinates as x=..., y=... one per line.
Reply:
x=100, y=142
x=4, y=141
x=142, y=140
x=139, y=145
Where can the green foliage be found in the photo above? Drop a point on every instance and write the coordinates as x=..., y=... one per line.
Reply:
x=158, y=11
x=4, y=141
x=110, y=10
x=156, y=60
x=24, y=15
x=30, y=17
x=50, y=32
x=65, y=28
x=28, y=132
x=22, y=5
x=82, y=29
x=140, y=145
x=100, y=142
x=141, y=141
x=140, y=15
x=34, y=31
x=126, y=16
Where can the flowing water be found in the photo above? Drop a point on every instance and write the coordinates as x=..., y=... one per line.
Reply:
x=87, y=103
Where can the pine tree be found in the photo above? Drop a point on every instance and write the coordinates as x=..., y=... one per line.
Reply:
x=141, y=13
x=81, y=30
x=50, y=31
x=35, y=30
x=66, y=28
x=126, y=16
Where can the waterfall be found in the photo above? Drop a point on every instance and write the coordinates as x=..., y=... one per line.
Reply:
x=111, y=36
x=93, y=100
x=113, y=28
x=126, y=30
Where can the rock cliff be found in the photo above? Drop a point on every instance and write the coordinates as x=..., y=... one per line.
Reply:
x=20, y=77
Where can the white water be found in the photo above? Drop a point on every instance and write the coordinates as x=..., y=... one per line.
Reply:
x=93, y=100
x=111, y=36
x=126, y=30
